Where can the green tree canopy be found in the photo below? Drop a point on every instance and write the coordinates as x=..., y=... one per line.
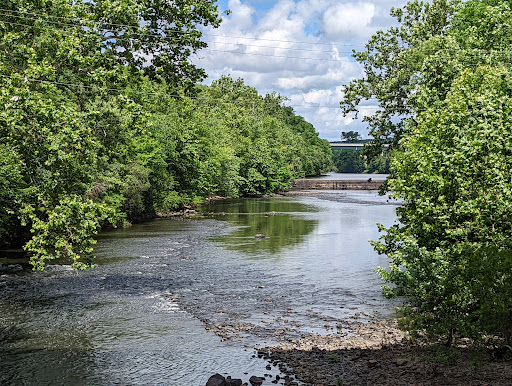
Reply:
x=350, y=136
x=70, y=135
x=450, y=253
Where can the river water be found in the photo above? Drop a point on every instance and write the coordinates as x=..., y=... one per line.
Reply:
x=173, y=301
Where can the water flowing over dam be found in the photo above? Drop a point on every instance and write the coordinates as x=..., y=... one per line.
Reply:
x=317, y=184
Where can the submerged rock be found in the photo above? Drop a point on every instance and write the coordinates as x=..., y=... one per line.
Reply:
x=9, y=268
x=57, y=267
x=233, y=382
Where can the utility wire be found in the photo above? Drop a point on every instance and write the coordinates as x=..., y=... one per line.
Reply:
x=166, y=38
x=406, y=110
x=340, y=59
x=8, y=12
x=127, y=92
x=44, y=18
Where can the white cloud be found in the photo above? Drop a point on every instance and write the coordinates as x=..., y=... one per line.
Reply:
x=349, y=20
x=300, y=49
x=243, y=17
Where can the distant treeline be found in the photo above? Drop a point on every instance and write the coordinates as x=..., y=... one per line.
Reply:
x=354, y=161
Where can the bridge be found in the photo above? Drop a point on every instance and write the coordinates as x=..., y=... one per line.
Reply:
x=347, y=146
x=312, y=184
x=352, y=145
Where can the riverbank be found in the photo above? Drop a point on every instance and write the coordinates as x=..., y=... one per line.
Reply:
x=372, y=353
x=379, y=353
x=175, y=300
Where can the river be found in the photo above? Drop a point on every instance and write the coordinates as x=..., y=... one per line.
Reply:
x=173, y=301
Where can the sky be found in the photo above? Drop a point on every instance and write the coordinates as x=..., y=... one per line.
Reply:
x=300, y=49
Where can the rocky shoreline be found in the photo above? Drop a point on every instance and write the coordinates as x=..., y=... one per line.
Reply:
x=379, y=353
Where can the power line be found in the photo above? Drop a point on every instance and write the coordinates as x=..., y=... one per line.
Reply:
x=340, y=59
x=164, y=38
x=343, y=59
x=44, y=18
x=405, y=110
x=9, y=13
x=127, y=92
x=279, y=48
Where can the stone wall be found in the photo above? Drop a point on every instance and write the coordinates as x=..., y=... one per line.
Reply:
x=304, y=184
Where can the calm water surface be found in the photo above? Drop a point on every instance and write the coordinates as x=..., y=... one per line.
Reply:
x=139, y=317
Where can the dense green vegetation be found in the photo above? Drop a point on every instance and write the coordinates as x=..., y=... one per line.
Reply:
x=447, y=71
x=355, y=161
x=103, y=121
x=348, y=161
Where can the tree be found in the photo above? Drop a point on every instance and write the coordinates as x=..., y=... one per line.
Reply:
x=348, y=161
x=350, y=136
x=451, y=254
x=392, y=64
x=75, y=148
x=99, y=126
x=152, y=36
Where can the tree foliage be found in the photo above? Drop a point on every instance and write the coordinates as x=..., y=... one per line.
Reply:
x=103, y=121
x=354, y=161
x=350, y=136
x=392, y=63
x=451, y=254
x=233, y=142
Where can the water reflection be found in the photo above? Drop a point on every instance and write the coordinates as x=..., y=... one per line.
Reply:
x=279, y=220
x=139, y=317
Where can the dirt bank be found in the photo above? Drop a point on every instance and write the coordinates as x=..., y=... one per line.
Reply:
x=378, y=353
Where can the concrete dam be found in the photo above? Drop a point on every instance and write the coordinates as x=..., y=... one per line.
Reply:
x=312, y=184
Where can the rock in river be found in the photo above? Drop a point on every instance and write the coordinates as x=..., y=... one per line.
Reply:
x=219, y=380
x=256, y=381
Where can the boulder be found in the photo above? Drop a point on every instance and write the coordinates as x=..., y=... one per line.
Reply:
x=216, y=380
x=233, y=382
x=256, y=381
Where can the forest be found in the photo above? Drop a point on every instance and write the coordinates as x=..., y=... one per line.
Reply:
x=443, y=81
x=105, y=120
x=355, y=161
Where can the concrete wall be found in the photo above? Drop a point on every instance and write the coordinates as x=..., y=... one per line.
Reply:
x=336, y=184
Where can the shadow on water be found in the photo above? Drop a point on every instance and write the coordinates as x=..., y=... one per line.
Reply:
x=279, y=220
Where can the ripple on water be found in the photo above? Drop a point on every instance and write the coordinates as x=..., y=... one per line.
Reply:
x=137, y=321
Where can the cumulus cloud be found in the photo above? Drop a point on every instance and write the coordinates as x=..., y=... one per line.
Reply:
x=344, y=21
x=300, y=49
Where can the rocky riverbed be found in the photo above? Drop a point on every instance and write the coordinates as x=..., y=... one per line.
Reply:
x=379, y=353
x=163, y=292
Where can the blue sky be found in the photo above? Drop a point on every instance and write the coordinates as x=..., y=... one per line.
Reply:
x=260, y=6
x=298, y=48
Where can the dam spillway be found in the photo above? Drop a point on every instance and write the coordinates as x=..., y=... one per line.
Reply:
x=318, y=184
